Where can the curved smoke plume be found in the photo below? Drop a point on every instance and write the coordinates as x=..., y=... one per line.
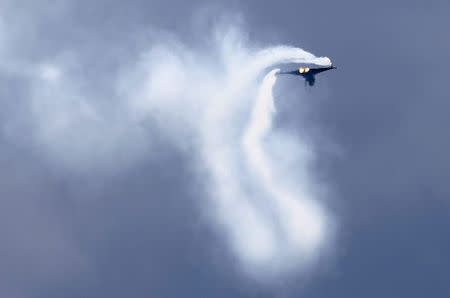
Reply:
x=211, y=103
x=217, y=105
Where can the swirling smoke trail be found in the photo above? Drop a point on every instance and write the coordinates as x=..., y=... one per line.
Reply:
x=272, y=226
x=211, y=103
x=214, y=103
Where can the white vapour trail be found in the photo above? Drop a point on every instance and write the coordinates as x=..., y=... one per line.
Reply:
x=272, y=228
x=212, y=104
x=301, y=221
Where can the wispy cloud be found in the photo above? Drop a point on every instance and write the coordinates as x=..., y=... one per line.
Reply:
x=211, y=102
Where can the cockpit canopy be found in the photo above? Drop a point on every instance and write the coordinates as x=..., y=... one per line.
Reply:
x=303, y=70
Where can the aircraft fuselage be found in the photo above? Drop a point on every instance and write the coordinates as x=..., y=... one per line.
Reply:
x=308, y=73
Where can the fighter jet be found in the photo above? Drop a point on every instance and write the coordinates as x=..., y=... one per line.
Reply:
x=309, y=74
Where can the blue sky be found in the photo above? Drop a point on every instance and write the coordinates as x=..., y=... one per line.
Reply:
x=96, y=204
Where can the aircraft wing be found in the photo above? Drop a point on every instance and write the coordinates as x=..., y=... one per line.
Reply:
x=293, y=72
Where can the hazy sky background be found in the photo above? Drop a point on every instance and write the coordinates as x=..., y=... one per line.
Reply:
x=129, y=224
